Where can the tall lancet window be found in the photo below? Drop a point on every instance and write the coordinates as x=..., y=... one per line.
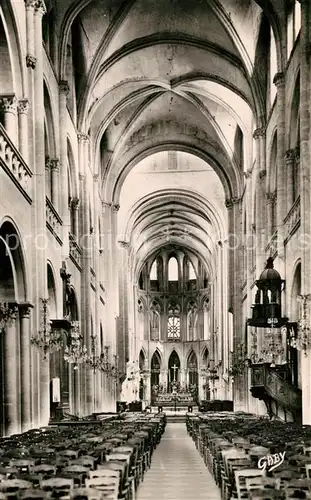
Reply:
x=206, y=320
x=173, y=269
x=173, y=275
x=192, y=319
x=155, y=321
x=141, y=319
x=173, y=322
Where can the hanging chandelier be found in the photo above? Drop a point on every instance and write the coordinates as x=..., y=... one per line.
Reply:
x=95, y=362
x=105, y=364
x=7, y=312
x=115, y=367
x=303, y=341
x=46, y=339
x=75, y=352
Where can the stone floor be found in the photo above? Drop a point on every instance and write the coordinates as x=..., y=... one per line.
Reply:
x=177, y=470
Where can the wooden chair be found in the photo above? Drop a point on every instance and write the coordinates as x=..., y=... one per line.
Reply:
x=266, y=494
x=45, y=470
x=85, y=460
x=262, y=482
x=240, y=480
x=23, y=465
x=108, y=485
x=11, y=486
x=76, y=472
x=58, y=486
x=33, y=494
x=308, y=470
x=85, y=494
x=125, y=491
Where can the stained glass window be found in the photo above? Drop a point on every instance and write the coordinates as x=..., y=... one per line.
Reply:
x=173, y=327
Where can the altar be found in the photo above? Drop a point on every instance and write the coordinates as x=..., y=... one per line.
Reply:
x=174, y=395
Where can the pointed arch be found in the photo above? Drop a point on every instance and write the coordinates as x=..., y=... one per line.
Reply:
x=142, y=359
x=52, y=296
x=13, y=76
x=13, y=262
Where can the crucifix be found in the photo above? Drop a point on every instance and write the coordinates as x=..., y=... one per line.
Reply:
x=174, y=368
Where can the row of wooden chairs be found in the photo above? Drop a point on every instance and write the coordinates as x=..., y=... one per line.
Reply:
x=231, y=447
x=106, y=460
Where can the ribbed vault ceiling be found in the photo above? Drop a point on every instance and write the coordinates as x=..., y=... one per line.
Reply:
x=168, y=75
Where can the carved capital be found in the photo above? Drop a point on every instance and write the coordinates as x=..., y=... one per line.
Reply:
x=279, y=79
x=262, y=174
x=30, y=4
x=8, y=103
x=64, y=87
x=124, y=244
x=290, y=156
x=247, y=174
x=297, y=154
x=31, y=61
x=232, y=201
x=96, y=177
x=115, y=207
x=259, y=132
x=40, y=8
x=54, y=164
x=8, y=314
x=271, y=197
x=74, y=203
x=22, y=106
x=24, y=309
x=82, y=137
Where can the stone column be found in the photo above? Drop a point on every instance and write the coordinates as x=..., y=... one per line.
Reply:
x=40, y=222
x=235, y=275
x=24, y=313
x=48, y=187
x=54, y=167
x=290, y=161
x=123, y=324
x=87, y=380
x=305, y=191
x=270, y=202
x=63, y=176
x=8, y=315
x=75, y=216
x=22, y=109
x=30, y=33
x=260, y=213
x=9, y=106
x=281, y=206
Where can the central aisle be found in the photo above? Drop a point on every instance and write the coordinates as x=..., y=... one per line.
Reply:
x=177, y=470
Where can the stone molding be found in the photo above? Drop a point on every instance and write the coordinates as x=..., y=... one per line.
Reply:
x=8, y=103
x=124, y=244
x=271, y=197
x=52, y=164
x=279, y=79
x=82, y=137
x=259, y=132
x=64, y=87
x=22, y=106
x=262, y=174
x=163, y=127
x=290, y=156
x=40, y=7
x=31, y=61
x=232, y=201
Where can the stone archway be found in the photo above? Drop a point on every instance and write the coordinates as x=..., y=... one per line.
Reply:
x=173, y=370
x=15, y=400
